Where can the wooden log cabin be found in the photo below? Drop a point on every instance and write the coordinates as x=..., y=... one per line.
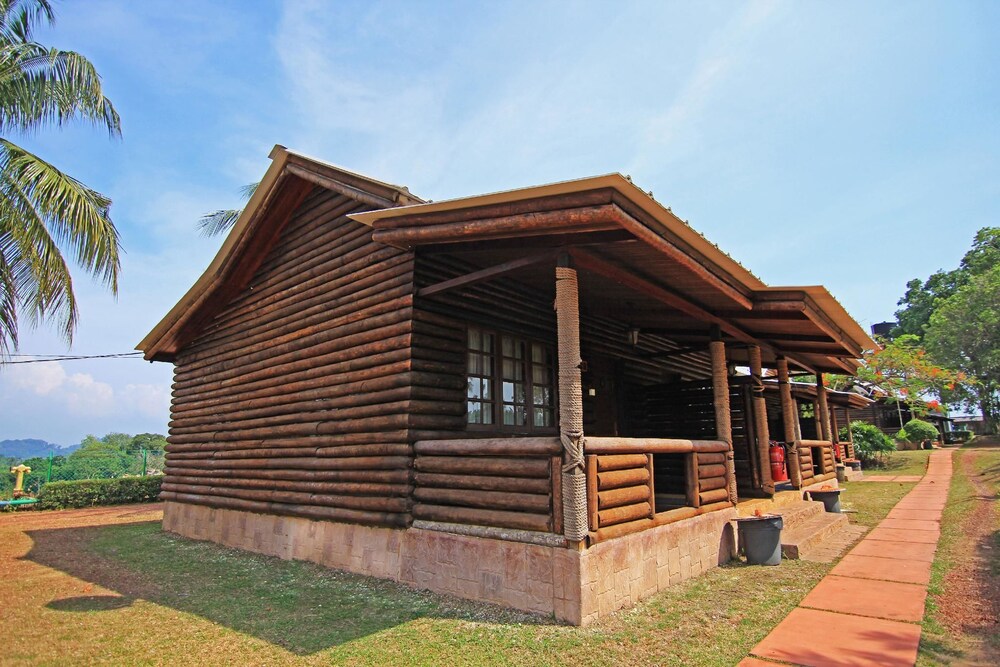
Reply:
x=528, y=397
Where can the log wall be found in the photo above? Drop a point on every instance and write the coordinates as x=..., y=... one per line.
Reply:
x=296, y=400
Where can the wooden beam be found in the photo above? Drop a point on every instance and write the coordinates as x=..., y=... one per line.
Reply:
x=597, y=265
x=589, y=219
x=602, y=239
x=486, y=274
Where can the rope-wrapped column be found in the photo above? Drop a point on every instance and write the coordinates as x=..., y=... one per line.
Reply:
x=823, y=413
x=574, y=479
x=723, y=418
x=790, y=419
x=760, y=420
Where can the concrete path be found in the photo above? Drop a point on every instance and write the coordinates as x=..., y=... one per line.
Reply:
x=867, y=611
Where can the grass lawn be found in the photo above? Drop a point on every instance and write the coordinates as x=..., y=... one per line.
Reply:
x=963, y=601
x=908, y=462
x=120, y=591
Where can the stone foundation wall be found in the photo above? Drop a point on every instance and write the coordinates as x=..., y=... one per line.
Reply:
x=577, y=587
x=621, y=571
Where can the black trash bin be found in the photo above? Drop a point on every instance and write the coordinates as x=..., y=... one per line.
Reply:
x=760, y=539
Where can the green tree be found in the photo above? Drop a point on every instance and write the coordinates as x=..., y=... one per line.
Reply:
x=922, y=298
x=964, y=332
x=904, y=370
x=42, y=209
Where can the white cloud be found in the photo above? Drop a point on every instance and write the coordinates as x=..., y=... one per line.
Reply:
x=148, y=399
x=39, y=378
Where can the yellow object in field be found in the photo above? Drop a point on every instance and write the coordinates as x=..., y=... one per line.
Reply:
x=20, y=471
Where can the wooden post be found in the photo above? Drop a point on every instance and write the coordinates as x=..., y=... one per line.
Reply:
x=574, y=480
x=691, y=490
x=850, y=434
x=790, y=418
x=823, y=417
x=760, y=420
x=835, y=432
x=723, y=417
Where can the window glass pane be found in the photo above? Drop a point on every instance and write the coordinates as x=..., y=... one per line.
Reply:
x=486, y=365
x=520, y=416
x=508, y=392
x=474, y=365
x=540, y=395
x=487, y=413
x=487, y=389
x=519, y=349
x=537, y=353
x=508, y=415
x=508, y=346
x=487, y=343
x=474, y=413
x=539, y=375
x=473, y=388
x=474, y=339
x=519, y=393
x=540, y=416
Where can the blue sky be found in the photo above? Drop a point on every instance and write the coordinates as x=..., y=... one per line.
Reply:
x=850, y=144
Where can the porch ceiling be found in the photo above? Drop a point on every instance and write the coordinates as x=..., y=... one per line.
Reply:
x=639, y=264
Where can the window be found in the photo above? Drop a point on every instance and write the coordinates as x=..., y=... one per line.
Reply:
x=511, y=382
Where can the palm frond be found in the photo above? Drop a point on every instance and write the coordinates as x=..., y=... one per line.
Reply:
x=75, y=215
x=221, y=221
x=18, y=18
x=40, y=87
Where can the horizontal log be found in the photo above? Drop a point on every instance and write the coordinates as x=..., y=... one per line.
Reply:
x=482, y=517
x=360, y=476
x=370, y=503
x=628, y=495
x=711, y=458
x=483, y=482
x=711, y=483
x=711, y=470
x=608, y=445
x=659, y=519
x=713, y=496
x=502, y=500
x=303, y=463
x=815, y=443
x=340, y=442
x=398, y=449
x=609, y=517
x=620, y=461
x=390, y=519
x=302, y=486
x=594, y=218
x=490, y=447
x=494, y=467
x=615, y=479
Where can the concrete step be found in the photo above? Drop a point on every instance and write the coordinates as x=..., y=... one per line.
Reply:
x=854, y=475
x=798, y=514
x=800, y=540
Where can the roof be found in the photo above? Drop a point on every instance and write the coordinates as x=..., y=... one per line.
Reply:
x=286, y=183
x=805, y=323
x=638, y=257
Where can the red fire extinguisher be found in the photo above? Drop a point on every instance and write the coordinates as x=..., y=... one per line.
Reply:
x=777, y=452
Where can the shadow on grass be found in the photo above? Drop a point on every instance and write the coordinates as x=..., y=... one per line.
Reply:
x=302, y=607
x=91, y=603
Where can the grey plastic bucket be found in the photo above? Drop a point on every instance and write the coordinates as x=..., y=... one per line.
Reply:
x=761, y=539
x=830, y=500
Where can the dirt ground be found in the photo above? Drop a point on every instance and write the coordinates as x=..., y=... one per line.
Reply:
x=971, y=603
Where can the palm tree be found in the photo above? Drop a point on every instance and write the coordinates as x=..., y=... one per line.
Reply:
x=42, y=209
x=221, y=221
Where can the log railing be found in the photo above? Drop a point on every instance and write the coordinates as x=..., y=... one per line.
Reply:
x=621, y=473
x=812, y=452
x=498, y=483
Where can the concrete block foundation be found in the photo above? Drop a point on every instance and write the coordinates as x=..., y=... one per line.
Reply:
x=577, y=587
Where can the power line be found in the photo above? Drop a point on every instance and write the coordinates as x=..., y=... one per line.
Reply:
x=36, y=358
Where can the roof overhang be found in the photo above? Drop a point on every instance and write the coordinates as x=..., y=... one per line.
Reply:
x=613, y=228
x=287, y=182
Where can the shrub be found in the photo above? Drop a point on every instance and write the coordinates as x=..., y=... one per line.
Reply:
x=870, y=444
x=90, y=492
x=917, y=431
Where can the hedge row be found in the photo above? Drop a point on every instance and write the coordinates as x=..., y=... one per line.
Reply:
x=91, y=492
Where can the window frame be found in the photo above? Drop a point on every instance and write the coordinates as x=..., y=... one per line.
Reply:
x=497, y=378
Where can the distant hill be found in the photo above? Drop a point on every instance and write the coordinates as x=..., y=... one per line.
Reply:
x=30, y=448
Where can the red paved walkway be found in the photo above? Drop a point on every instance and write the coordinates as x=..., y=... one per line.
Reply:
x=868, y=609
